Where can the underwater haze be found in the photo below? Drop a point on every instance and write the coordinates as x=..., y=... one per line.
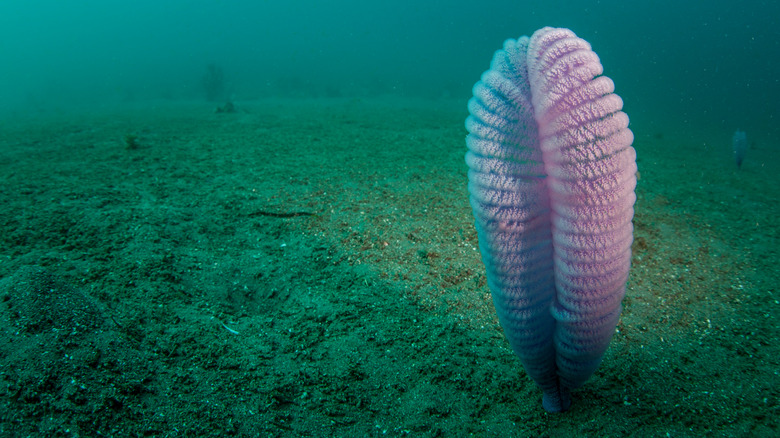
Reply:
x=252, y=218
x=712, y=63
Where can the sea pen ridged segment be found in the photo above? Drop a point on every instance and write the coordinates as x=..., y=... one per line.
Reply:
x=591, y=166
x=509, y=197
x=551, y=183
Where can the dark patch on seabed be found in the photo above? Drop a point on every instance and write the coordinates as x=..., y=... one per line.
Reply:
x=309, y=268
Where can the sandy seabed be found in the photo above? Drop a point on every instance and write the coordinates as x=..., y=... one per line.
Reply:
x=310, y=268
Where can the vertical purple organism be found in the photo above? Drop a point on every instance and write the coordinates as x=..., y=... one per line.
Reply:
x=551, y=183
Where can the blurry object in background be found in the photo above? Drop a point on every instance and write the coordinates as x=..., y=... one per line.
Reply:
x=739, y=142
x=131, y=142
x=213, y=82
x=228, y=108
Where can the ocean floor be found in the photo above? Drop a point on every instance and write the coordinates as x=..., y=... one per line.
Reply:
x=310, y=268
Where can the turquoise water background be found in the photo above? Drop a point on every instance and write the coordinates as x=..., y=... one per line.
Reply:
x=708, y=64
